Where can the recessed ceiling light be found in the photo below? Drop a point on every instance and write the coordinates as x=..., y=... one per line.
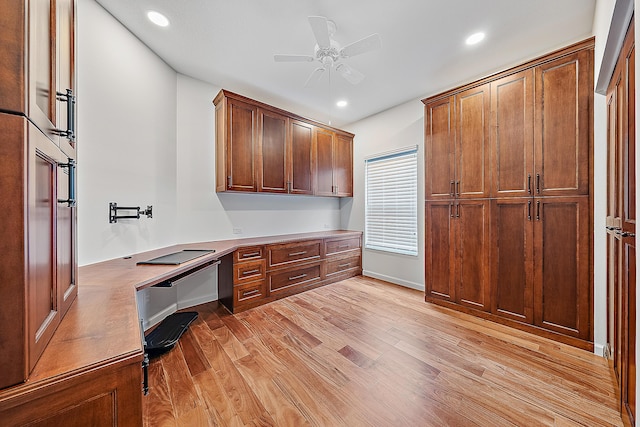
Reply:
x=158, y=18
x=342, y=103
x=475, y=38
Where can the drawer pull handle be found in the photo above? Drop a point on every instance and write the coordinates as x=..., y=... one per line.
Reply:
x=297, y=253
x=250, y=293
x=250, y=255
x=343, y=265
x=298, y=277
x=343, y=246
x=256, y=270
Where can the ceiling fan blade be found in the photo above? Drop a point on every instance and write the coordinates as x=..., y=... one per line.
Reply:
x=350, y=74
x=293, y=58
x=320, y=31
x=314, y=78
x=364, y=45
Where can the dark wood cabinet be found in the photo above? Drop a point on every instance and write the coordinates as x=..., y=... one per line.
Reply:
x=509, y=157
x=457, y=252
x=456, y=137
x=260, y=148
x=39, y=269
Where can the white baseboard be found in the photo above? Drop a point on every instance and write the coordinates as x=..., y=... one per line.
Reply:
x=196, y=301
x=159, y=316
x=395, y=280
x=598, y=349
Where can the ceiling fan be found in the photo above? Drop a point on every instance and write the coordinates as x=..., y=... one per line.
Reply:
x=330, y=54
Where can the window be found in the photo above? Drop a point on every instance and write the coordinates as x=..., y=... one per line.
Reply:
x=391, y=202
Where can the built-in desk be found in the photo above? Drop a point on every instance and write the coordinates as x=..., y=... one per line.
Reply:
x=90, y=373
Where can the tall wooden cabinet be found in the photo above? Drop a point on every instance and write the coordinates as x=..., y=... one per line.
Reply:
x=37, y=173
x=260, y=148
x=517, y=147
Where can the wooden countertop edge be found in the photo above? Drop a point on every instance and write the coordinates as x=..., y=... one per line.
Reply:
x=111, y=285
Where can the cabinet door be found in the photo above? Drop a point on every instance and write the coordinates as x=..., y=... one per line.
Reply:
x=66, y=244
x=301, y=159
x=12, y=66
x=272, y=159
x=564, y=108
x=324, y=162
x=512, y=258
x=472, y=143
x=42, y=66
x=241, y=137
x=512, y=135
x=439, y=149
x=42, y=297
x=65, y=79
x=439, y=260
x=343, y=166
x=472, y=253
x=562, y=289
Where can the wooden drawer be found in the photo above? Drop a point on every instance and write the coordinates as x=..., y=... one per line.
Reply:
x=341, y=265
x=287, y=253
x=248, y=253
x=248, y=292
x=296, y=277
x=248, y=271
x=341, y=245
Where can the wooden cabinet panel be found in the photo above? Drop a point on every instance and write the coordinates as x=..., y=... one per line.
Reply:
x=248, y=253
x=65, y=69
x=472, y=143
x=472, y=253
x=272, y=159
x=564, y=107
x=13, y=65
x=324, y=162
x=343, y=166
x=337, y=246
x=241, y=136
x=341, y=265
x=249, y=292
x=562, y=285
x=248, y=271
x=440, y=245
x=512, y=135
x=284, y=280
x=512, y=258
x=66, y=241
x=439, y=149
x=287, y=253
x=301, y=158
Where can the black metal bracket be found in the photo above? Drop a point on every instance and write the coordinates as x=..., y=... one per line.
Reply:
x=114, y=208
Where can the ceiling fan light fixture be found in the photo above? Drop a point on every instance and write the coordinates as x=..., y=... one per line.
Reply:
x=475, y=38
x=158, y=18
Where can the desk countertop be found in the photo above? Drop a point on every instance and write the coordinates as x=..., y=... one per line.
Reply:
x=102, y=325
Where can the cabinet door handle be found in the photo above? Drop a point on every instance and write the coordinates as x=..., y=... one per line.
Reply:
x=255, y=270
x=458, y=187
x=457, y=210
x=337, y=189
x=452, y=188
x=451, y=211
x=609, y=227
x=298, y=277
x=252, y=254
x=71, y=200
x=538, y=210
x=538, y=183
x=529, y=185
x=250, y=293
x=70, y=99
x=627, y=234
x=529, y=210
x=297, y=253
x=229, y=181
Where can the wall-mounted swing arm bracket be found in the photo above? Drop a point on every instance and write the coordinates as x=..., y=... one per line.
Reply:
x=114, y=208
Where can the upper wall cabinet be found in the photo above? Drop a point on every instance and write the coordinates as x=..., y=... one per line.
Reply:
x=260, y=148
x=457, y=140
x=40, y=84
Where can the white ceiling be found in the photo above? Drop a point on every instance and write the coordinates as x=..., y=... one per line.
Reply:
x=231, y=43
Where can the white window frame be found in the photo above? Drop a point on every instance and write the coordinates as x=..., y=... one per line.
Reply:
x=391, y=202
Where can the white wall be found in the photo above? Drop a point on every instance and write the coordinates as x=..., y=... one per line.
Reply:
x=601, y=22
x=126, y=138
x=399, y=127
x=146, y=137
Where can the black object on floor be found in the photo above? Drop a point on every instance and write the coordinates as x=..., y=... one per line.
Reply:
x=166, y=335
x=177, y=258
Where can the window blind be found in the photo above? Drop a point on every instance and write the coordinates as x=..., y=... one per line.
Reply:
x=391, y=202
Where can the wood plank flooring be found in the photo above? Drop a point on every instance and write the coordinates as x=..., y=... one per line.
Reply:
x=367, y=353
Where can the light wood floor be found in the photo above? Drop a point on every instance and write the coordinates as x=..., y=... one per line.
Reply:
x=366, y=353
